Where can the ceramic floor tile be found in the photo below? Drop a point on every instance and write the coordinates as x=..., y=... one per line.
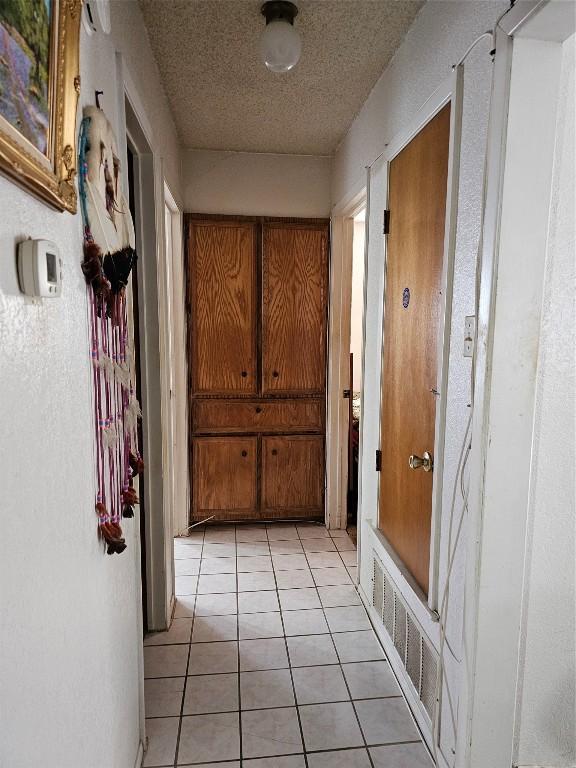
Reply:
x=269, y=689
x=196, y=536
x=219, y=550
x=252, y=548
x=282, y=532
x=185, y=585
x=216, y=605
x=227, y=764
x=186, y=567
x=165, y=660
x=386, y=720
x=349, y=758
x=319, y=545
x=312, y=532
x=263, y=654
x=270, y=732
x=311, y=650
x=297, y=599
x=353, y=572
x=220, y=536
x=294, y=579
x=210, y=629
x=349, y=558
x=209, y=738
x=185, y=553
x=163, y=696
x=401, y=756
x=206, y=694
x=337, y=533
x=305, y=622
x=215, y=565
x=289, y=562
x=316, y=685
x=210, y=658
x=253, y=626
x=258, y=602
x=178, y=633
x=219, y=583
x=328, y=577
x=338, y=596
x=184, y=606
x=251, y=533
x=358, y=646
x=162, y=734
x=255, y=582
x=347, y=619
x=253, y=564
x=291, y=761
x=290, y=547
x=345, y=544
x=370, y=680
x=330, y=726
x=324, y=559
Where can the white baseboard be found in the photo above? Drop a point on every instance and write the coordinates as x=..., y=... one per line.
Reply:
x=139, y=756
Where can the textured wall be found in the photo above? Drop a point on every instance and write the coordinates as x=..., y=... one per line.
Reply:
x=547, y=716
x=256, y=184
x=69, y=650
x=439, y=36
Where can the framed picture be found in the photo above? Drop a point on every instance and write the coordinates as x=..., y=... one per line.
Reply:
x=39, y=89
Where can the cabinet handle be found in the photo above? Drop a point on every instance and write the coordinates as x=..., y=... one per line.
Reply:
x=244, y=453
x=258, y=409
x=244, y=374
x=274, y=451
x=275, y=374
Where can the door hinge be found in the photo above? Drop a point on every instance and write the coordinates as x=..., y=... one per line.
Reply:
x=378, y=461
x=346, y=394
x=386, y=228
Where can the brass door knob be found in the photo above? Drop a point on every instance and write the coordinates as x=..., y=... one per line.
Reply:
x=425, y=462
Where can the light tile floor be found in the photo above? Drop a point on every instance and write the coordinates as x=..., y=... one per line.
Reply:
x=271, y=661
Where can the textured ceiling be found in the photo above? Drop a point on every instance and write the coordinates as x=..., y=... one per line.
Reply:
x=223, y=97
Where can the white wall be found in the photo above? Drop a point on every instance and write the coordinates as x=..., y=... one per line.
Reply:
x=256, y=184
x=547, y=717
x=357, y=304
x=439, y=36
x=69, y=650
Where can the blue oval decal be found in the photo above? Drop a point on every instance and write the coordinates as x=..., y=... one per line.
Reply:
x=406, y=298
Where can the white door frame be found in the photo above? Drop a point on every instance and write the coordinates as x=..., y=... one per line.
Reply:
x=133, y=122
x=342, y=222
x=519, y=168
x=450, y=91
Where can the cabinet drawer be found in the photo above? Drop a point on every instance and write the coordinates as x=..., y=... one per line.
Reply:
x=214, y=416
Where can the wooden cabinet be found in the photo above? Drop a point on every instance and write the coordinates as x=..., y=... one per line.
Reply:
x=257, y=298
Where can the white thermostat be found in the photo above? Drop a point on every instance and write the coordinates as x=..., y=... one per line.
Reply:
x=40, y=268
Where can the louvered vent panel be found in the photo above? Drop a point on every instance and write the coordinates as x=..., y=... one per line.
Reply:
x=428, y=679
x=377, y=587
x=388, y=606
x=413, y=651
x=400, y=628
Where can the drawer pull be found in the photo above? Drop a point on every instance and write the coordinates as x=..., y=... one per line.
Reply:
x=274, y=451
x=244, y=453
x=275, y=374
x=258, y=409
x=244, y=374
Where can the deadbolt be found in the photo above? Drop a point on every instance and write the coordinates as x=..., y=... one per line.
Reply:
x=425, y=462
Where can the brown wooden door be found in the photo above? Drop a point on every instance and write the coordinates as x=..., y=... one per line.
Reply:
x=223, y=307
x=225, y=476
x=295, y=269
x=293, y=475
x=414, y=258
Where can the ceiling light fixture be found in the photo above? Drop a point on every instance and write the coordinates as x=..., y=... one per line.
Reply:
x=280, y=44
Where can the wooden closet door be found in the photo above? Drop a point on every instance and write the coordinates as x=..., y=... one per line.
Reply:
x=223, y=307
x=294, y=301
x=292, y=475
x=225, y=476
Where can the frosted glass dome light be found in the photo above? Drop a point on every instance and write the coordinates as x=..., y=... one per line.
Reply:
x=280, y=44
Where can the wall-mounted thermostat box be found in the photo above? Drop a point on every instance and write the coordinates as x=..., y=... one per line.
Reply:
x=39, y=269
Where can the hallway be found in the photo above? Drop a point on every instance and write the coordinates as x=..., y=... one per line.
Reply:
x=271, y=661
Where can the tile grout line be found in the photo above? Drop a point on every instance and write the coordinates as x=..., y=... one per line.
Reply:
x=241, y=757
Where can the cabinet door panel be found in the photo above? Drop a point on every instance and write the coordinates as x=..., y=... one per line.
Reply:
x=225, y=475
x=223, y=301
x=293, y=473
x=295, y=265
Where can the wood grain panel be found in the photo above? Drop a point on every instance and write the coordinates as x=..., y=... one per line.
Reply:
x=294, y=301
x=223, y=307
x=258, y=416
x=225, y=475
x=293, y=473
x=417, y=202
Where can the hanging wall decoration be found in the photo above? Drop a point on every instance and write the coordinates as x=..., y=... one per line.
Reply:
x=108, y=259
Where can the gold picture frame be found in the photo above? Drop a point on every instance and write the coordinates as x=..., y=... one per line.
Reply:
x=49, y=173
